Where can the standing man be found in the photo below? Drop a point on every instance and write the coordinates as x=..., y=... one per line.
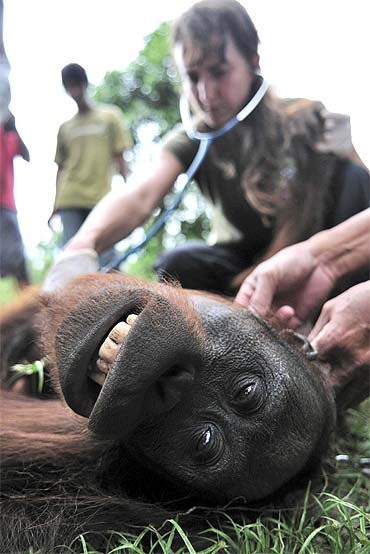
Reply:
x=12, y=258
x=88, y=147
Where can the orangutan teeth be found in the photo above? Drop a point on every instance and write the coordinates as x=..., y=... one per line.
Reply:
x=97, y=376
x=109, y=349
x=102, y=366
x=131, y=319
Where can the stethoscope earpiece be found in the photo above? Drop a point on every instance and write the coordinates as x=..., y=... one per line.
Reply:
x=192, y=133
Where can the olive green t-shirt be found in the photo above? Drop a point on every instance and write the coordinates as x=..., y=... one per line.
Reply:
x=219, y=178
x=86, y=146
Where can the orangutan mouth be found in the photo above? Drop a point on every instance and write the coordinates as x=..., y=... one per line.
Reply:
x=109, y=350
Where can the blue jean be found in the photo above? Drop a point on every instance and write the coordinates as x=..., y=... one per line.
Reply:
x=72, y=219
x=12, y=258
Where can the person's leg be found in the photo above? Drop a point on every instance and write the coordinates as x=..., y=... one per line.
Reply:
x=107, y=257
x=72, y=219
x=197, y=265
x=12, y=258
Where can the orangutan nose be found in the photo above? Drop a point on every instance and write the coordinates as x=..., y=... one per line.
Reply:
x=168, y=390
x=153, y=369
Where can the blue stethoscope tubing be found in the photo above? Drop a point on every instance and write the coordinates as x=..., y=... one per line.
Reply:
x=198, y=159
x=205, y=141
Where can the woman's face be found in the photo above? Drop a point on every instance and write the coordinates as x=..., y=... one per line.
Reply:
x=218, y=87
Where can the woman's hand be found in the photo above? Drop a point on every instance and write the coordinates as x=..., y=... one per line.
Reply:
x=69, y=265
x=291, y=282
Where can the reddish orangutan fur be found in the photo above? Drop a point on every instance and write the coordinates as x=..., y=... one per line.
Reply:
x=55, y=475
x=58, y=480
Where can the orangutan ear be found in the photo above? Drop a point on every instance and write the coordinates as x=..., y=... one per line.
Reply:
x=347, y=382
x=350, y=384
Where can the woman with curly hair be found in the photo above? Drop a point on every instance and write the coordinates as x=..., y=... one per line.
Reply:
x=266, y=182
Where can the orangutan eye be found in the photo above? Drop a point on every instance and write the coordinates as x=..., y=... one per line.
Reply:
x=206, y=438
x=208, y=444
x=246, y=392
x=248, y=397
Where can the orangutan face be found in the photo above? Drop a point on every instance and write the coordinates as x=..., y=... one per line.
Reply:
x=199, y=390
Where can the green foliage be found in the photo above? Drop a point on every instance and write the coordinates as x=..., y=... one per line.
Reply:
x=142, y=264
x=147, y=90
x=147, y=93
x=35, y=368
x=8, y=290
x=38, y=265
x=188, y=222
x=43, y=258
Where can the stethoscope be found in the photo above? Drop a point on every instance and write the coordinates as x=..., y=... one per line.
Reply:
x=205, y=140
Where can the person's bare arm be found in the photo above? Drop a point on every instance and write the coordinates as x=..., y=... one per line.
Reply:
x=299, y=278
x=119, y=213
x=121, y=165
x=116, y=215
x=23, y=150
x=57, y=177
x=345, y=247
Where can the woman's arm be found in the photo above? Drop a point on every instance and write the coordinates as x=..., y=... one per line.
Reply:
x=299, y=278
x=119, y=213
x=112, y=219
